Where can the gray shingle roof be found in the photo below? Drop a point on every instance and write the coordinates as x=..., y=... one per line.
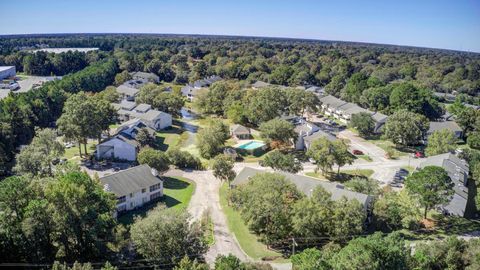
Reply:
x=130, y=180
x=450, y=125
x=319, y=134
x=239, y=129
x=142, y=107
x=125, y=90
x=379, y=117
x=307, y=184
x=332, y=101
x=145, y=75
x=458, y=171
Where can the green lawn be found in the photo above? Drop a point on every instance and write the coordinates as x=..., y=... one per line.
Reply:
x=386, y=145
x=169, y=138
x=344, y=175
x=177, y=192
x=248, y=241
x=72, y=153
x=365, y=157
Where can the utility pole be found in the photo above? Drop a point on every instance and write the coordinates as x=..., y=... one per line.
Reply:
x=294, y=244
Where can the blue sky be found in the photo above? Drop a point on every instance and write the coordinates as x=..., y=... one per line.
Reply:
x=453, y=24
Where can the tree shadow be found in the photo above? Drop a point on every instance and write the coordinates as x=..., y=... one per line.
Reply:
x=174, y=183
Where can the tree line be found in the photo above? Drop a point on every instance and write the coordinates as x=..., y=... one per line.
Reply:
x=21, y=113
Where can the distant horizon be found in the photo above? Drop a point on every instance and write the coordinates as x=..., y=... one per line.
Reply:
x=439, y=24
x=242, y=36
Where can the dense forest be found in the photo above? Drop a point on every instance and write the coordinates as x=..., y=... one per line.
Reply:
x=378, y=77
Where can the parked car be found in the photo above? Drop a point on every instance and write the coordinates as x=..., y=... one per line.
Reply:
x=357, y=152
x=68, y=145
x=419, y=154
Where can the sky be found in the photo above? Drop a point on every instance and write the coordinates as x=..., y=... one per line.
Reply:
x=447, y=24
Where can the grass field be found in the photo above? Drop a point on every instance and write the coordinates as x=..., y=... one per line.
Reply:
x=386, y=145
x=247, y=240
x=177, y=192
x=345, y=175
x=72, y=152
x=169, y=138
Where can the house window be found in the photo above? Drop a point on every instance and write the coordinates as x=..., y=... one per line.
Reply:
x=144, y=190
x=155, y=187
x=155, y=195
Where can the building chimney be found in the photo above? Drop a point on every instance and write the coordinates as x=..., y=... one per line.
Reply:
x=106, y=187
x=154, y=172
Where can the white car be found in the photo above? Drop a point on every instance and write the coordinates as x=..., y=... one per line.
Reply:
x=68, y=145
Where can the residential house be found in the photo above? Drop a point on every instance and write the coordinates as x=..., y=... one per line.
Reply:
x=448, y=125
x=240, y=132
x=189, y=92
x=307, y=185
x=123, y=145
x=380, y=120
x=308, y=140
x=134, y=187
x=344, y=112
x=145, y=76
x=458, y=171
x=118, y=147
x=7, y=72
x=259, y=85
x=319, y=91
x=303, y=130
x=330, y=104
x=127, y=92
x=154, y=119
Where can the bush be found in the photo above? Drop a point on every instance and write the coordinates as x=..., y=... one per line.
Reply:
x=183, y=159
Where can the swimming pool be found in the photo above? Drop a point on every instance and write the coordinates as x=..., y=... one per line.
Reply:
x=251, y=145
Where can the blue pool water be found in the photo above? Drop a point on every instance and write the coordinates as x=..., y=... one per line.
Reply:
x=251, y=145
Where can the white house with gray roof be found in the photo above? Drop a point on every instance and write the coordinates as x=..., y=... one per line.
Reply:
x=123, y=145
x=145, y=76
x=127, y=92
x=307, y=185
x=134, y=187
x=154, y=119
x=458, y=171
x=303, y=130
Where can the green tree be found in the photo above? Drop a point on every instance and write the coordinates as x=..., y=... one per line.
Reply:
x=431, y=185
x=308, y=259
x=322, y=152
x=110, y=94
x=363, y=123
x=441, y=141
x=166, y=236
x=145, y=138
x=278, y=130
x=373, y=252
x=406, y=128
x=82, y=214
x=473, y=140
x=154, y=158
x=38, y=157
x=222, y=167
x=396, y=210
x=265, y=105
x=341, y=155
x=312, y=216
x=355, y=86
x=211, y=140
x=347, y=220
x=363, y=185
x=183, y=159
x=187, y=264
x=268, y=214
x=229, y=262
x=122, y=77
x=284, y=162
